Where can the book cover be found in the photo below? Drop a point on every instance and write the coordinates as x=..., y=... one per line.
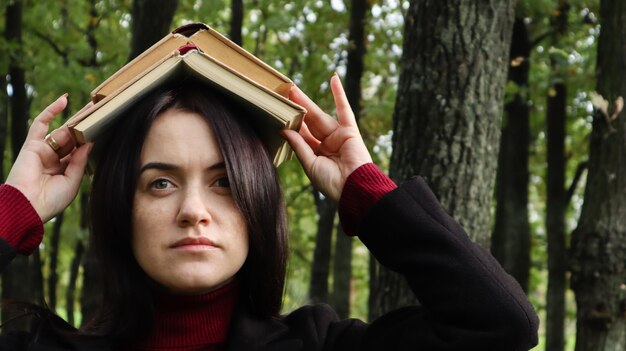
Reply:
x=210, y=42
x=272, y=111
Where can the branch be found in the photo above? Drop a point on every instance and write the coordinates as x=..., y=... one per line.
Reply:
x=579, y=172
x=52, y=44
x=540, y=38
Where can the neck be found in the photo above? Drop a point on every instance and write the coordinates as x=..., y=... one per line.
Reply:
x=192, y=322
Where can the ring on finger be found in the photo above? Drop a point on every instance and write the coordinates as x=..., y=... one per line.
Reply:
x=49, y=139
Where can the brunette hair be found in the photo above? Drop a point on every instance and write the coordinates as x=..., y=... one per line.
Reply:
x=127, y=307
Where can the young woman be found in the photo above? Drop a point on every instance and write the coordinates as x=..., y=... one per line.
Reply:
x=189, y=226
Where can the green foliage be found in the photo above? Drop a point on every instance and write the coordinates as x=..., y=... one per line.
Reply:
x=59, y=58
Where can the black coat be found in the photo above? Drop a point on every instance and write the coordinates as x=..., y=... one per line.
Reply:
x=467, y=300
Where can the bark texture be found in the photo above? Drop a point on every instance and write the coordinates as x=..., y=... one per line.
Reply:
x=448, y=113
x=599, y=241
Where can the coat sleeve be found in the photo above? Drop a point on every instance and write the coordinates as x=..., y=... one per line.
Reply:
x=468, y=302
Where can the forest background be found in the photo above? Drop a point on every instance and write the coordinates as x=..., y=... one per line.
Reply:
x=507, y=108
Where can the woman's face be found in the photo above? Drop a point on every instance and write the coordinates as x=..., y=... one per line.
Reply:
x=188, y=234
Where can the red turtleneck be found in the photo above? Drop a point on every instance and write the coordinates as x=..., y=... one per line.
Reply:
x=189, y=323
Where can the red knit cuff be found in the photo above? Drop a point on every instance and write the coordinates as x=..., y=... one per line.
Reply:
x=366, y=185
x=20, y=225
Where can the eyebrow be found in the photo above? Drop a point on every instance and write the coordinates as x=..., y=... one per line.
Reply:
x=162, y=166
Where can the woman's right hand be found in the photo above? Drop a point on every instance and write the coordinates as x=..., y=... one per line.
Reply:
x=49, y=179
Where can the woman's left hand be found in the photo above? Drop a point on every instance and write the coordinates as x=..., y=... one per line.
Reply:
x=329, y=150
x=49, y=177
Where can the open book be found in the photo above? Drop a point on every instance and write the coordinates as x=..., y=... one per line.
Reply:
x=209, y=41
x=271, y=110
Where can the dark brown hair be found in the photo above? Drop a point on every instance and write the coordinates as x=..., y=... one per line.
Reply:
x=126, y=310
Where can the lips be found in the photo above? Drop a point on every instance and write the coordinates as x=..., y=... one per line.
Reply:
x=201, y=241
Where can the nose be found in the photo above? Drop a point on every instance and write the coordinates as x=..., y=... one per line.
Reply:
x=193, y=210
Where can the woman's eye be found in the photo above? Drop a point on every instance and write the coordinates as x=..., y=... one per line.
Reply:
x=223, y=182
x=160, y=184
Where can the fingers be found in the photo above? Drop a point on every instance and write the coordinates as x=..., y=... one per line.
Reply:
x=344, y=111
x=64, y=139
x=39, y=128
x=55, y=147
x=320, y=124
x=59, y=140
x=301, y=148
x=78, y=160
x=308, y=137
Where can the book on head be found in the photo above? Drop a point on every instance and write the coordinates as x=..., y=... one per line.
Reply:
x=197, y=52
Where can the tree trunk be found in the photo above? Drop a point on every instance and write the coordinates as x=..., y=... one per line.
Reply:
x=356, y=54
x=510, y=242
x=150, y=22
x=236, y=21
x=326, y=210
x=35, y=266
x=556, y=195
x=342, y=272
x=18, y=101
x=91, y=294
x=70, y=297
x=556, y=206
x=599, y=241
x=92, y=281
x=53, y=254
x=448, y=113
